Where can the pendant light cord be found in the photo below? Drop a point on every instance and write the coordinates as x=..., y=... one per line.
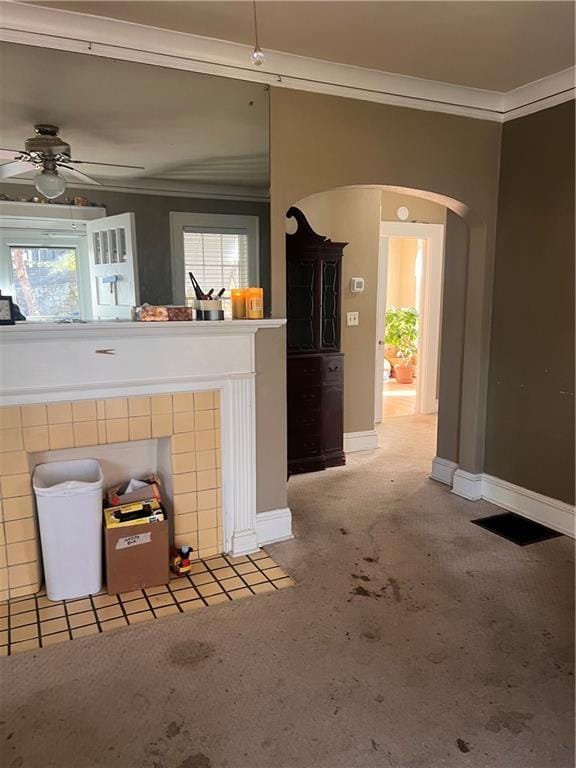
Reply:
x=257, y=46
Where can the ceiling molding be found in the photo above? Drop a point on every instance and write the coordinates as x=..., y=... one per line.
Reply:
x=111, y=38
x=161, y=187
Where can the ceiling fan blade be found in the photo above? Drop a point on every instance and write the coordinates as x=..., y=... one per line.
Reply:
x=78, y=175
x=14, y=169
x=111, y=165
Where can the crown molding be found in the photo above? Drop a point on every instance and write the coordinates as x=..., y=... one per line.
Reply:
x=540, y=94
x=112, y=38
x=162, y=188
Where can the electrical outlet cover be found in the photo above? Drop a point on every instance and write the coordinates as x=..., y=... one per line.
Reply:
x=352, y=318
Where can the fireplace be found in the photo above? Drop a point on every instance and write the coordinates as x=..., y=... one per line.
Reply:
x=95, y=389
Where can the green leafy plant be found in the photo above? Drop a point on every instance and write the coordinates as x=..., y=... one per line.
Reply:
x=402, y=330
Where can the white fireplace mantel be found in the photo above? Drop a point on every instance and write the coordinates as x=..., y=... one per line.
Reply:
x=42, y=362
x=50, y=362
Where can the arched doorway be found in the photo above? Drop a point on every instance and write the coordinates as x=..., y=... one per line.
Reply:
x=355, y=214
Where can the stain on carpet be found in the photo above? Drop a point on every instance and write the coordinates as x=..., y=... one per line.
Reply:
x=199, y=760
x=190, y=653
x=172, y=730
x=515, y=722
x=395, y=589
x=463, y=746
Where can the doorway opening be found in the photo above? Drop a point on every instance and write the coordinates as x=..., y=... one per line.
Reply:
x=408, y=319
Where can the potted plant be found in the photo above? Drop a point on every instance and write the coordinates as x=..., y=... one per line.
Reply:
x=402, y=333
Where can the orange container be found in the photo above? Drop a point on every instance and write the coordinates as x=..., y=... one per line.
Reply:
x=255, y=303
x=238, y=303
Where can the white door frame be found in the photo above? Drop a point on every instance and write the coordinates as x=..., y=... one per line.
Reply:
x=429, y=310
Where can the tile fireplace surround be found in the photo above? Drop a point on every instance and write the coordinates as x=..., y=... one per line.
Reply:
x=76, y=386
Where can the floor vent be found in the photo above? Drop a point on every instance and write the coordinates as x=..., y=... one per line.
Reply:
x=517, y=529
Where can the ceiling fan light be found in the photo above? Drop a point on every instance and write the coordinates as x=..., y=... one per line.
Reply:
x=49, y=183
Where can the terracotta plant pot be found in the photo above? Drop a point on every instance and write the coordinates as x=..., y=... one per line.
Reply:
x=404, y=374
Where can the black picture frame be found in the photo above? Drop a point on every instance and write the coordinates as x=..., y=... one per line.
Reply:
x=7, y=320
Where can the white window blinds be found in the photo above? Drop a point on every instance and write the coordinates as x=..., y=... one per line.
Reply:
x=217, y=259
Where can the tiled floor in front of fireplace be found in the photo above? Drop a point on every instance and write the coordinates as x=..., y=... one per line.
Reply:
x=28, y=623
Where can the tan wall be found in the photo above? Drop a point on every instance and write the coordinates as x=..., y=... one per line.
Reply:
x=319, y=143
x=420, y=210
x=530, y=425
x=353, y=216
x=401, y=278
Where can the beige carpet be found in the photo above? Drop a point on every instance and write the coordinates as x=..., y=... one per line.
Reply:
x=413, y=640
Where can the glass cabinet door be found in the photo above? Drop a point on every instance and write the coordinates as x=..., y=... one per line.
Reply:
x=301, y=276
x=330, y=331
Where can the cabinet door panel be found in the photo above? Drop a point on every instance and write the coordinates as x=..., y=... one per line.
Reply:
x=304, y=371
x=332, y=418
x=333, y=368
x=301, y=304
x=330, y=326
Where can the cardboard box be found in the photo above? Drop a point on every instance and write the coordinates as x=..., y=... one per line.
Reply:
x=137, y=556
x=152, y=489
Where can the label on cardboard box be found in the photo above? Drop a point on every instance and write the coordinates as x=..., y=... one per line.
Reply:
x=134, y=541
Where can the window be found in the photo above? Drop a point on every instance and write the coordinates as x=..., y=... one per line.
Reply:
x=45, y=281
x=217, y=259
x=221, y=251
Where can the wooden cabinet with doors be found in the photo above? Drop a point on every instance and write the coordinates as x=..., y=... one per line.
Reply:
x=315, y=364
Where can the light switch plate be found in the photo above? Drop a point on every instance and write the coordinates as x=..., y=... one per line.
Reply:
x=352, y=318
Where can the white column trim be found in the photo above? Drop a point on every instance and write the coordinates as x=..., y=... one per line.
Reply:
x=239, y=463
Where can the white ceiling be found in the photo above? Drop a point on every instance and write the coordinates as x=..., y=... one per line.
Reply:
x=491, y=45
x=183, y=127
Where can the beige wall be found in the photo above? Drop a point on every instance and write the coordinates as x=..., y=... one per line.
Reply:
x=353, y=216
x=401, y=278
x=420, y=210
x=319, y=143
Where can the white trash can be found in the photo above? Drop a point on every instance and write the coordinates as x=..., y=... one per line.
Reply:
x=69, y=500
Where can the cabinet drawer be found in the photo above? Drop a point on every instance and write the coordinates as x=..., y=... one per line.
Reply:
x=302, y=401
x=303, y=446
x=333, y=368
x=304, y=371
x=307, y=423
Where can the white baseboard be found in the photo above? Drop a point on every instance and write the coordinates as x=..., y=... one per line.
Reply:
x=553, y=513
x=272, y=526
x=542, y=509
x=360, y=441
x=467, y=485
x=443, y=470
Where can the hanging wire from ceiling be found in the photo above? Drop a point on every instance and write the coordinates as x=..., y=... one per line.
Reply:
x=257, y=56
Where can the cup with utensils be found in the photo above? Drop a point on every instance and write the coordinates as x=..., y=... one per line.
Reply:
x=207, y=306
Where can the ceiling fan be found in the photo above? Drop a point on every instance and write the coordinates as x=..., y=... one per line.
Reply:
x=48, y=153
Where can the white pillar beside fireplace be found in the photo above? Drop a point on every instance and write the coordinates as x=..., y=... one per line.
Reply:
x=238, y=405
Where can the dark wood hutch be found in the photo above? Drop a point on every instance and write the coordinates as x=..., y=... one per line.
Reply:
x=315, y=364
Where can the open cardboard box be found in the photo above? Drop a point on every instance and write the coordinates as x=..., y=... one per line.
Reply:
x=152, y=490
x=137, y=556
